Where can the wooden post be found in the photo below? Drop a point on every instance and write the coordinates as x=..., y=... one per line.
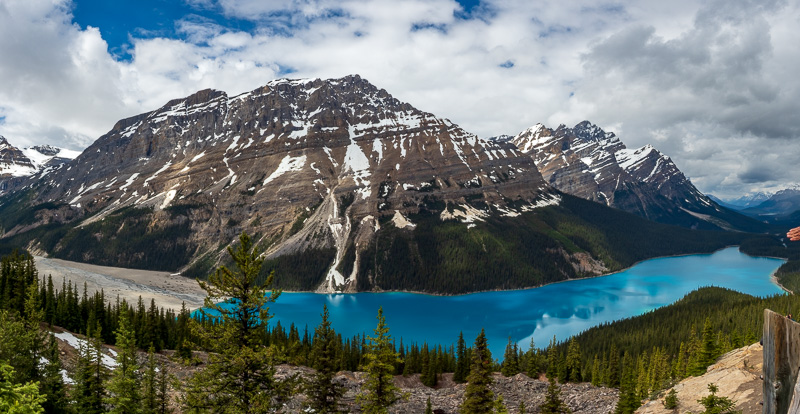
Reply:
x=781, y=342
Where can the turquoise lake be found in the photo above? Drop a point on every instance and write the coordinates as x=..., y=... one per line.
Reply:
x=560, y=309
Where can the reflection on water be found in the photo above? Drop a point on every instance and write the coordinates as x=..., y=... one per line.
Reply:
x=560, y=309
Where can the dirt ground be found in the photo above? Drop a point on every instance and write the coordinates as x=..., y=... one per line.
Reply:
x=168, y=290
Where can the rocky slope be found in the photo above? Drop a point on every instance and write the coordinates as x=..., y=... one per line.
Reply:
x=593, y=164
x=446, y=396
x=738, y=376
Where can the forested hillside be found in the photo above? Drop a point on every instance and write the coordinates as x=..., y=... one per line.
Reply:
x=536, y=248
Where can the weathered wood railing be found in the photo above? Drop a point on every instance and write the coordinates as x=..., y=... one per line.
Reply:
x=781, y=342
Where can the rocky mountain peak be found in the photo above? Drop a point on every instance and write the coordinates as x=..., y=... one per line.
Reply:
x=17, y=163
x=591, y=163
x=591, y=132
x=47, y=150
x=13, y=162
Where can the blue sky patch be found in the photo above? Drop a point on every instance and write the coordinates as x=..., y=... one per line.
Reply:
x=507, y=64
x=120, y=20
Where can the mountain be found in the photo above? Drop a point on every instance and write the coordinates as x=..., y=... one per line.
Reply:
x=780, y=205
x=344, y=187
x=595, y=165
x=15, y=162
x=749, y=200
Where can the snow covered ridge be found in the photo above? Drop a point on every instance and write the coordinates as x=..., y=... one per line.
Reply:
x=595, y=152
x=28, y=161
x=593, y=164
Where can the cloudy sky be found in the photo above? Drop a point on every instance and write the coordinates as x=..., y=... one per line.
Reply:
x=711, y=83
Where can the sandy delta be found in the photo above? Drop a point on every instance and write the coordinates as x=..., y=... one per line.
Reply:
x=169, y=290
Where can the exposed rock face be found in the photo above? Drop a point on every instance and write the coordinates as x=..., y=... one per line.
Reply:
x=593, y=164
x=303, y=163
x=737, y=374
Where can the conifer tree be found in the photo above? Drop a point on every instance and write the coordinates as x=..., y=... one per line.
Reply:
x=717, y=405
x=596, y=377
x=462, y=362
x=18, y=398
x=162, y=392
x=629, y=401
x=428, y=375
x=428, y=406
x=240, y=373
x=478, y=398
x=693, y=363
x=52, y=383
x=183, y=349
x=708, y=349
x=510, y=366
x=642, y=384
x=552, y=400
x=89, y=391
x=500, y=405
x=379, y=392
x=521, y=408
x=573, y=362
x=123, y=386
x=39, y=352
x=671, y=400
x=552, y=359
x=532, y=364
x=322, y=391
x=150, y=384
x=613, y=374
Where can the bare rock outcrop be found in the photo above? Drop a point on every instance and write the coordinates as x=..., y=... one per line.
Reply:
x=738, y=376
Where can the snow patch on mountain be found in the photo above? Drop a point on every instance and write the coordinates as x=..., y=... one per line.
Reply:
x=288, y=163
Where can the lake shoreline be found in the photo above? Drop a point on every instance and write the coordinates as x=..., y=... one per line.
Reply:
x=171, y=289
x=415, y=292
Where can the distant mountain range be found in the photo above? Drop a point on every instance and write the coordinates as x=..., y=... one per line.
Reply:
x=348, y=189
x=766, y=206
x=781, y=204
x=745, y=201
